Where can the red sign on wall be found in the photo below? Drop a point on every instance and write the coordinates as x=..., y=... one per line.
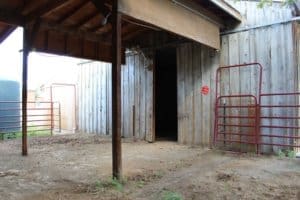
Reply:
x=205, y=90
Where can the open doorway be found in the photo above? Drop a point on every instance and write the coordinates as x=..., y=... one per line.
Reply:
x=166, y=95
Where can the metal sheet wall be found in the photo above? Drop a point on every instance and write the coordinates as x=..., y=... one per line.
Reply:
x=94, y=97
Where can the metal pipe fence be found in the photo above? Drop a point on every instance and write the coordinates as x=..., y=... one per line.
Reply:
x=43, y=116
x=259, y=119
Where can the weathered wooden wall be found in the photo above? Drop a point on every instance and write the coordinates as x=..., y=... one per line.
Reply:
x=297, y=50
x=196, y=66
x=274, y=47
x=137, y=91
x=94, y=97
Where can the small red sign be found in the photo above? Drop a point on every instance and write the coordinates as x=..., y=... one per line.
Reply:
x=205, y=90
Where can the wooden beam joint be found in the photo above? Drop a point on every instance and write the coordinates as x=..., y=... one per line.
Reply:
x=103, y=9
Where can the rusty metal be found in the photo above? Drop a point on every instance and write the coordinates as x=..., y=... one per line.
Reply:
x=33, y=120
x=227, y=136
x=251, y=65
x=290, y=117
x=258, y=136
x=52, y=118
x=59, y=115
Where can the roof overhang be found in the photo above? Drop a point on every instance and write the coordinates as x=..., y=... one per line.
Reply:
x=228, y=9
x=173, y=18
x=74, y=28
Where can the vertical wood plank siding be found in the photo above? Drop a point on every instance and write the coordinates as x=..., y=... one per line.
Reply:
x=272, y=46
x=94, y=97
x=275, y=47
x=196, y=68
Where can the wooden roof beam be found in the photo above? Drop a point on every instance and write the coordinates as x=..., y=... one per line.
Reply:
x=6, y=33
x=28, y=6
x=133, y=34
x=128, y=27
x=100, y=29
x=228, y=9
x=11, y=18
x=199, y=10
x=48, y=7
x=74, y=32
x=100, y=5
x=73, y=11
x=173, y=18
x=87, y=19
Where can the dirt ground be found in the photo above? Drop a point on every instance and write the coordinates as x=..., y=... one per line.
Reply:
x=78, y=167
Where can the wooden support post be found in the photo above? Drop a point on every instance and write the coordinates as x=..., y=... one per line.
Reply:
x=24, y=90
x=116, y=91
x=28, y=39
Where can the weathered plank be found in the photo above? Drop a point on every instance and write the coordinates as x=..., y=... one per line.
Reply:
x=173, y=18
x=197, y=77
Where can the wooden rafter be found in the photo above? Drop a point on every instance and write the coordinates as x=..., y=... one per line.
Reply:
x=87, y=19
x=133, y=34
x=72, y=12
x=100, y=5
x=28, y=6
x=11, y=18
x=72, y=31
x=6, y=33
x=102, y=29
x=48, y=7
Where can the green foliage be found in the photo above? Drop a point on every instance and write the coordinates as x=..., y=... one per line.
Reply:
x=169, y=195
x=291, y=154
x=263, y=3
x=286, y=153
x=111, y=183
x=280, y=154
x=118, y=185
x=32, y=132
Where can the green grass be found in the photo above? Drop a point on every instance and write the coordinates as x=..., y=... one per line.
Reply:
x=286, y=153
x=111, y=183
x=32, y=132
x=169, y=195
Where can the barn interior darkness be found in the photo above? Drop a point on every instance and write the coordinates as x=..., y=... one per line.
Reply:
x=166, y=94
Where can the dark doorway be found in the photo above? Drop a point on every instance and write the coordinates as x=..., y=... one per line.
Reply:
x=166, y=94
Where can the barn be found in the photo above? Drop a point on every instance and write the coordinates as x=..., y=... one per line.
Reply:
x=169, y=90
x=165, y=80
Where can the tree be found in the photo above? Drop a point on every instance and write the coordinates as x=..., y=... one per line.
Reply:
x=262, y=3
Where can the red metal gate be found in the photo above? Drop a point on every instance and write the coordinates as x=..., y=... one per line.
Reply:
x=43, y=116
x=243, y=123
x=279, y=121
x=237, y=124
